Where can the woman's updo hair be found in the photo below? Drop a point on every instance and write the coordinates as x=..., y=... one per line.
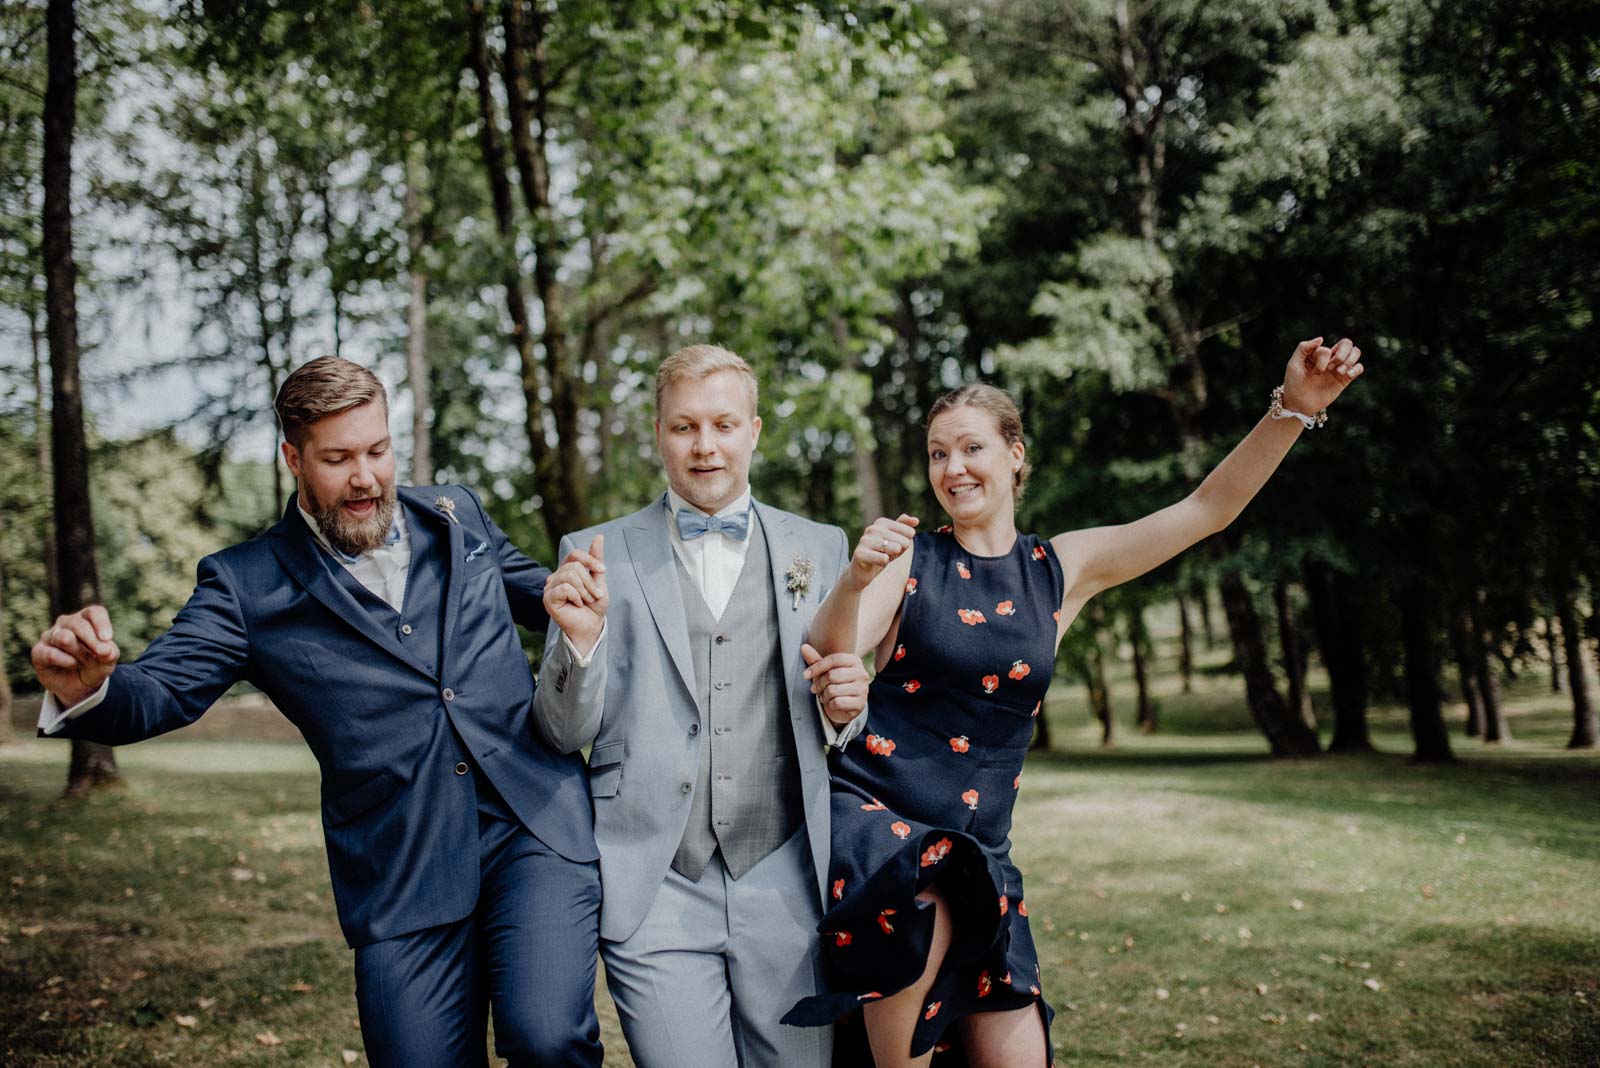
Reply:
x=998, y=403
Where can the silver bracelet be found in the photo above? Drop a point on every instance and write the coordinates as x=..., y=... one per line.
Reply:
x=1278, y=411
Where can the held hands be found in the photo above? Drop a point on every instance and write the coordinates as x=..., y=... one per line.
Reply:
x=840, y=683
x=882, y=542
x=575, y=594
x=1317, y=374
x=75, y=656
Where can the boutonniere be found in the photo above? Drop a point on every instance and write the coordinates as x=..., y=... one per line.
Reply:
x=799, y=578
x=448, y=507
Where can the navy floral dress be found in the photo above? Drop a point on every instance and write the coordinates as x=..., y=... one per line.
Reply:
x=926, y=793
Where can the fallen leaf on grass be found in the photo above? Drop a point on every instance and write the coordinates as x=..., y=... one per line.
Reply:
x=31, y=930
x=1372, y=984
x=302, y=987
x=241, y=875
x=95, y=1003
x=1427, y=891
x=1313, y=1017
x=1162, y=993
x=267, y=1038
x=351, y=1056
x=185, y=1021
x=1297, y=904
x=1261, y=988
x=206, y=1003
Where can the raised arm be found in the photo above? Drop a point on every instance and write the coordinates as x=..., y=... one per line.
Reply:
x=861, y=610
x=1101, y=557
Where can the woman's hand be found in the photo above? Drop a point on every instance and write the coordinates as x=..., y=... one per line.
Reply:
x=1317, y=374
x=882, y=542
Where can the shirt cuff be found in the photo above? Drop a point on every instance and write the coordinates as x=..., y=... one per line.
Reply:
x=838, y=737
x=580, y=660
x=52, y=717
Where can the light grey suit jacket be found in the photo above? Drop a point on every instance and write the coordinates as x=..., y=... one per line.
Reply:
x=636, y=701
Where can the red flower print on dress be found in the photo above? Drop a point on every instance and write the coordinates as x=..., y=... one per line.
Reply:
x=971, y=616
x=1038, y=552
x=1004, y=904
x=971, y=798
x=883, y=921
x=961, y=569
x=1005, y=608
x=935, y=853
x=961, y=744
x=1038, y=705
x=941, y=1047
x=900, y=652
x=1034, y=991
x=1019, y=670
x=911, y=687
x=841, y=938
x=991, y=683
x=932, y=1011
x=880, y=746
x=946, y=529
x=868, y=996
x=1056, y=615
x=911, y=586
x=874, y=806
x=1022, y=910
x=1016, y=784
x=984, y=984
x=838, y=889
x=1005, y=980
x=900, y=830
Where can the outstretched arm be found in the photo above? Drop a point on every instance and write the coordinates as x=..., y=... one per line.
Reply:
x=1101, y=557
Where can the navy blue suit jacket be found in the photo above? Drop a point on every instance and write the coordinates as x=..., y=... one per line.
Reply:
x=400, y=822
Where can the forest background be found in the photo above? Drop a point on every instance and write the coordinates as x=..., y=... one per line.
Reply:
x=1125, y=211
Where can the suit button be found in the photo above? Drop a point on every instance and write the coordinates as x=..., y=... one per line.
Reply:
x=721, y=639
x=449, y=694
x=721, y=686
x=687, y=787
x=694, y=728
x=461, y=768
x=405, y=628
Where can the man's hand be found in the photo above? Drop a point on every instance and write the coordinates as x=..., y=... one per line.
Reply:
x=74, y=657
x=840, y=683
x=575, y=595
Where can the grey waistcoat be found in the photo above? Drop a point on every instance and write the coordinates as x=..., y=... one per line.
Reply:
x=747, y=799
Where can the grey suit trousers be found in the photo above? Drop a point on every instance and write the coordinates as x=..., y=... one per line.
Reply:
x=704, y=979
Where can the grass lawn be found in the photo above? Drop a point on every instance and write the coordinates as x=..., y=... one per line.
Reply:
x=1194, y=901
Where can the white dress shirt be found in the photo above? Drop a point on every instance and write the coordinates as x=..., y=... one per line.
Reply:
x=714, y=562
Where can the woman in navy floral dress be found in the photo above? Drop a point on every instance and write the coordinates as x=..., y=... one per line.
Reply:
x=928, y=923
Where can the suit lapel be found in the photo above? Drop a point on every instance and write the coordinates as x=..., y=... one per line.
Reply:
x=297, y=549
x=650, y=550
x=425, y=510
x=781, y=551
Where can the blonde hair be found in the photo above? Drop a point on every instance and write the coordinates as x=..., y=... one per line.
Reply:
x=695, y=362
x=325, y=386
x=998, y=403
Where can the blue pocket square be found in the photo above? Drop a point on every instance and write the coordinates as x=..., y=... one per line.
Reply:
x=482, y=548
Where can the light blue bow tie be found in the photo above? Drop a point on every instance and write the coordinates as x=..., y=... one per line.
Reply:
x=692, y=524
x=390, y=540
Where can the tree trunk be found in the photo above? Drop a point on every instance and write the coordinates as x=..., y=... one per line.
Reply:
x=1337, y=621
x=1286, y=733
x=41, y=456
x=1460, y=645
x=78, y=577
x=1201, y=596
x=1428, y=732
x=864, y=451
x=546, y=474
x=528, y=90
x=1585, y=723
x=418, y=374
x=1185, y=645
x=1495, y=727
x=5, y=675
x=1139, y=639
x=1553, y=643
x=1294, y=658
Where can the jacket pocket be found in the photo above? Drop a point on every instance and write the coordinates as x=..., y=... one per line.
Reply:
x=605, y=769
x=352, y=803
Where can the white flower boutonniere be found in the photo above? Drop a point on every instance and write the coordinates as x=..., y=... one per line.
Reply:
x=448, y=507
x=799, y=578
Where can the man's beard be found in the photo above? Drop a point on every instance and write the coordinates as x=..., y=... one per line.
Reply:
x=354, y=536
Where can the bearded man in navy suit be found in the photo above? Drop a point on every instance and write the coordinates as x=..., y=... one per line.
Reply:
x=380, y=621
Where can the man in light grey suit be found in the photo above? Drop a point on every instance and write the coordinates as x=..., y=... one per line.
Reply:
x=708, y=768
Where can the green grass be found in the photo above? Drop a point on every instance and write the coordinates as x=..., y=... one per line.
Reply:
x=1194, y=901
